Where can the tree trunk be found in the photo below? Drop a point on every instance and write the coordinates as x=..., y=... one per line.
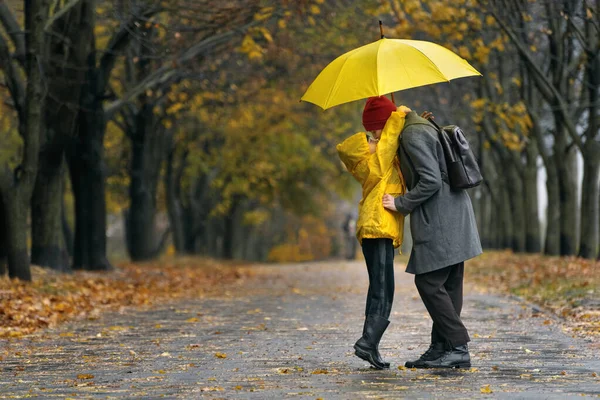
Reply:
x=16, y=223
x=86, y=165
x=148, y=150
x=174, y=206
x=231, y=220
x=68, y=51
x=3, y=239
x=590, y=201
x=568, y=203
x=66, y=229
x=533, y=243
x=517, y=212
x=17, y=186
x=552, y=241
x=507, y=219
x=48, y=245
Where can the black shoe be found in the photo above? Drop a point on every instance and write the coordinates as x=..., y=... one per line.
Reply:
x=435, y=351
x=367, y=347
x=458, y=357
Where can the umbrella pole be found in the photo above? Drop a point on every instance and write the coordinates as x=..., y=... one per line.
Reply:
x=383, y=36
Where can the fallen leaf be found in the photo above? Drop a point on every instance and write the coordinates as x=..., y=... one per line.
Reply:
x=319, y=371
x=220, y=355
x=212, y=389
x=486, y=389
x=193, y=319
x=85, y=376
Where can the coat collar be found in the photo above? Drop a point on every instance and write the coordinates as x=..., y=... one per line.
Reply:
x=412, y=118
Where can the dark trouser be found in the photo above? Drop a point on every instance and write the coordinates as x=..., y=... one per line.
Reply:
x=379, y=255
x=442, y=294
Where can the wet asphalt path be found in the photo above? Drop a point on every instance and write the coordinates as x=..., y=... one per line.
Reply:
x=287, y=332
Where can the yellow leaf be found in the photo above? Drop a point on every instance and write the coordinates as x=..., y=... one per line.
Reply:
x=486, y=389
x=85, y=376
x=282, y=24
x=220, y=355
x=315, y=9
x=193, y=319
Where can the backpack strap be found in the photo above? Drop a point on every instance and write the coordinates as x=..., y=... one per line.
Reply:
x=417, y=120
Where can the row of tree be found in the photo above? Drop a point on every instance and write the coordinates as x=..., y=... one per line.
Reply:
x=536, y=105
x=143, y=106
x=191, y=108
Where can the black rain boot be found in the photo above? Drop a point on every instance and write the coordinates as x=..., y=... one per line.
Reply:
x=458, y=357
x=367, y=347
x=435, y=351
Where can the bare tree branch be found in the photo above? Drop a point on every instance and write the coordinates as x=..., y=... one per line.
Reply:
x=170, y=70
x=15, y=84
x=13, y=29
x=547, y=88
x=59, y=14
x=118, y=42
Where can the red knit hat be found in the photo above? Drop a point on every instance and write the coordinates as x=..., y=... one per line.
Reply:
x=376, y=112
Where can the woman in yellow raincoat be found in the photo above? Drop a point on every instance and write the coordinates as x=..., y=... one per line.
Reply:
x=371, y=159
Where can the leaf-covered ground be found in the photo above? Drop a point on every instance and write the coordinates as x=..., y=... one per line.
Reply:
x=53, y=298
x=286, y=331
x=569, y=287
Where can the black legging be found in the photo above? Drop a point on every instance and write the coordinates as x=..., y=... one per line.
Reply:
x=379, y=255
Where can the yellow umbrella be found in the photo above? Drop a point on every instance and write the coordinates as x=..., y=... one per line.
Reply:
x=382, y=67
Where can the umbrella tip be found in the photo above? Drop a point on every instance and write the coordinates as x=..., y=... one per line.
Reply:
x=381, y=29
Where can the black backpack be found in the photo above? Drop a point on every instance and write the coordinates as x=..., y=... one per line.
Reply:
x=463, y=169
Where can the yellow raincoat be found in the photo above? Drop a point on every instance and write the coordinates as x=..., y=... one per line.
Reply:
x=378, y=173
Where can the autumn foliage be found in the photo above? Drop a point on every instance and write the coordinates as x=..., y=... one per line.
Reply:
x=569, y=287
x=53, y=298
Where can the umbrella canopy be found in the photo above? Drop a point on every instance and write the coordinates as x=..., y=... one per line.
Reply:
x=382, y=67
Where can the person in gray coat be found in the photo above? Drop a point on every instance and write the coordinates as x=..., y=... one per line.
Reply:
x=444, y=231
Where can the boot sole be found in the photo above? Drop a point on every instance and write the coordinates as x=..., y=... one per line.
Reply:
x=457, y=366
x=367, y=357
x=413, y=365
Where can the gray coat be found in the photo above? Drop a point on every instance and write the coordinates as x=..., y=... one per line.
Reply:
x=442, y=222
